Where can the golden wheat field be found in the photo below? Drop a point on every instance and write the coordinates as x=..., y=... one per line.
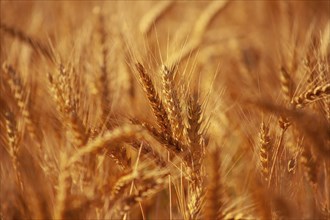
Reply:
x=157, y=110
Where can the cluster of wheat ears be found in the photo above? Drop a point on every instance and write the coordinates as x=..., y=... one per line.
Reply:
x=165, y=110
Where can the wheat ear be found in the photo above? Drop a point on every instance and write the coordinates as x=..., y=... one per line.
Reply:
x=310, y=165
x=104, y=77
x=12, y=136
x=148, y=187
x=154, y=14
x=287, y=85
x=172, y=103
x=119, y=155
x=195, y=120
x=265, y=146
x=195, y=134
x=16, y=87
x=214, y=195
x=170, y=143
x=63, y=189
x=203, y=22
x=121, y=185
x=35, y=44
x=148, y=152
x=120, y=134
x=154, y=100
x=196, y=198
x=311, y=95
x=62, y=94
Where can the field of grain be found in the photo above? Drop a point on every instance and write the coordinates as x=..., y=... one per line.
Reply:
x=165, y=110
